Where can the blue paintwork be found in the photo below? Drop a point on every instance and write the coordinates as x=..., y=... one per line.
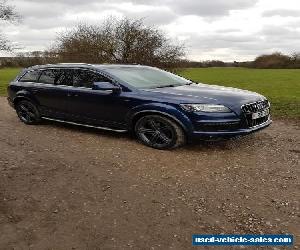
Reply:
x=119, y=110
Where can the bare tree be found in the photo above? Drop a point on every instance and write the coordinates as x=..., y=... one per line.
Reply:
x=7, y=14
x=117, y=41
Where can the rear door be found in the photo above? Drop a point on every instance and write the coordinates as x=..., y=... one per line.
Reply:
x=50, y=94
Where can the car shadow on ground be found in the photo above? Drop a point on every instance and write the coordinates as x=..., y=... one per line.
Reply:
x=222, y=144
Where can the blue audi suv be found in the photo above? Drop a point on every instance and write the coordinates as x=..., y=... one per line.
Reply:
x=162, y=109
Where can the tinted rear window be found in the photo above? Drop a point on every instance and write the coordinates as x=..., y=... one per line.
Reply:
x=57, y=77
x=69, y=77
x=30, y=76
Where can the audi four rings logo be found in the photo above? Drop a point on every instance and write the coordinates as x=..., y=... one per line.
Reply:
x=261, y=105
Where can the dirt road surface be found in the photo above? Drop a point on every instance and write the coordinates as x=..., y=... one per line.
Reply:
x=66, y=187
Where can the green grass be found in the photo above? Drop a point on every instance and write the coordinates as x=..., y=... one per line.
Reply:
x=280, y=86
x=6, y=75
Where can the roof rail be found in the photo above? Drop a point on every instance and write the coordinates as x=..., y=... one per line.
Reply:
x=74, y=63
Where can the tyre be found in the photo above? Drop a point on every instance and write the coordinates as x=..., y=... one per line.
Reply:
x=159, y=132
x=27, y=112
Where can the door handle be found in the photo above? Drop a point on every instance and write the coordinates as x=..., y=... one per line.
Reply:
x=34, y=90
x=70, y=95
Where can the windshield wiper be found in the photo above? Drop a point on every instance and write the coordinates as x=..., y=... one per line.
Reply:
x=173, y=85
x=167, y=86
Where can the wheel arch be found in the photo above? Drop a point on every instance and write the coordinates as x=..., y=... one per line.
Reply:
x=141, y=114
x=24, y=95
x=176, y=116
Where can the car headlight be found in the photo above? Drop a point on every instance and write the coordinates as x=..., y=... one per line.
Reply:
x=205, y=108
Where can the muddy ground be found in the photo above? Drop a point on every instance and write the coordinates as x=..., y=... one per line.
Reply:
x=66, y=187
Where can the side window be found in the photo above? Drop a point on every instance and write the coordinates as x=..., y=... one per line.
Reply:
x=30, y=76
x=51, y=76
x=66, y=78
x=85, y=78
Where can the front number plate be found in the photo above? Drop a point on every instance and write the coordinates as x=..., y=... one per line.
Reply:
x=260, y=114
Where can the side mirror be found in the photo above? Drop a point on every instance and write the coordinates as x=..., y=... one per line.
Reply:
x=106, y=86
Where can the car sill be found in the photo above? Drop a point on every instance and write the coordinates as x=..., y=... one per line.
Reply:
x=85, y=125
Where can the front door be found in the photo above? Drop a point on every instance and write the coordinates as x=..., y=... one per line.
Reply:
x=95, y=107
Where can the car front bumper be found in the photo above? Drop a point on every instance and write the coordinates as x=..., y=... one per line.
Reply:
x=212, y=135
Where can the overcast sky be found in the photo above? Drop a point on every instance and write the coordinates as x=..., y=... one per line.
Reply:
x=211, y=29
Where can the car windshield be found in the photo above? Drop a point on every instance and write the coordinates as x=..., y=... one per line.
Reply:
x=147, y=77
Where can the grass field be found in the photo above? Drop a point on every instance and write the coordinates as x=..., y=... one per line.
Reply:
x=281, y=86
x=6, y=75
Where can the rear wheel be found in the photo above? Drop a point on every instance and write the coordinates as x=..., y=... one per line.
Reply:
x=159, y=132
x=27, y=112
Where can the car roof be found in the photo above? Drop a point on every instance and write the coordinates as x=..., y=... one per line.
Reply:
x=86, y=65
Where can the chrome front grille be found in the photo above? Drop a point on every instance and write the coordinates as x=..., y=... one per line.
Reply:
x=255, y=106
x=258, y=121
x=250, y=108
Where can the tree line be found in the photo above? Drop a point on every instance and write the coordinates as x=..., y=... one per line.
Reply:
x=275, y=60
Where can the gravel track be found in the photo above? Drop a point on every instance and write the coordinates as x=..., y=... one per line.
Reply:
x=66, y=187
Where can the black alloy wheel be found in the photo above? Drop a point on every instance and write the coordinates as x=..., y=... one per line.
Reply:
x=27, y=112
x=159, y=132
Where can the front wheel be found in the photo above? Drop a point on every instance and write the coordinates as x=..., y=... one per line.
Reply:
x=159, y=132
x=27, y=112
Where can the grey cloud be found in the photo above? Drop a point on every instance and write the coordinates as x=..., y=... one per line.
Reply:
x=228, y=30
x=280, y=33
x=42, y=19
x=282, y=13
x=187, y=7
x=64, y=2
x=267, y=40
x=157, y=16
x=220, y=41
x=39, y=9
x=29, y=39
x=210, y=7
x=202, y=7
x=294, y=24
x=46, y=14
x=47, y=23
